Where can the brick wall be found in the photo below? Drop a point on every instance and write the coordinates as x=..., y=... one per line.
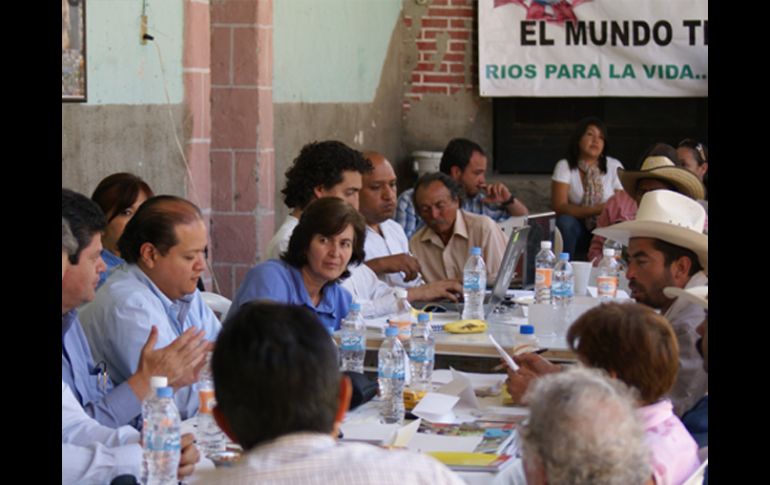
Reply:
x=242, y=154
x=445, y=37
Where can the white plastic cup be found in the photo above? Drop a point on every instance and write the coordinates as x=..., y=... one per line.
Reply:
x=582, y=273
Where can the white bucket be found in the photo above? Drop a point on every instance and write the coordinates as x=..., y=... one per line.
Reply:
x=426, y=162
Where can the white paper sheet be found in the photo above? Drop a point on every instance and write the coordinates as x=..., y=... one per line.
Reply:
x=436, y=408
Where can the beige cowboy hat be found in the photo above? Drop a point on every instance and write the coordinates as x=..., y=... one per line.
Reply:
x=662, y=168
x=697, y=294
x=668, y=216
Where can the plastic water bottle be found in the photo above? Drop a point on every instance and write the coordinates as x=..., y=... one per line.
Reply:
x=404, y=317
x=162, y=439
x=474, y=285
x=391, y=367
x=544, y=263
x=209, y=437
x=607, y=278
x=155, y=383
x=353, y=340
x=526, y=339
x=422, y=349
x=563, y=288
x=618, y=248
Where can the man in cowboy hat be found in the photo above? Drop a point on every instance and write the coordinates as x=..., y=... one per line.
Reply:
x=656, y=172
x=667, y=247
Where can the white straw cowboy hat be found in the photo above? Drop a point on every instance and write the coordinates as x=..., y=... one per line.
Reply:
x=662, y=168
x=697, y=294
x=668, y=216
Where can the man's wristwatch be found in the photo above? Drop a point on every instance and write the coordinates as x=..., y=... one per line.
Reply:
x=509, y=201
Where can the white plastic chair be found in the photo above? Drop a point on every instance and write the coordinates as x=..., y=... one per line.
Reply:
x=217, y=303
x=697, y=477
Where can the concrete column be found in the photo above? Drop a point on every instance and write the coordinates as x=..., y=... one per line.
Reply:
x=242, y=154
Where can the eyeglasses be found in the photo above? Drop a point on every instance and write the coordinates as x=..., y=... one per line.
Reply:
x=694, y=145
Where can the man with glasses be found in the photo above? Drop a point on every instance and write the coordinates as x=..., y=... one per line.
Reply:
x=443, y=245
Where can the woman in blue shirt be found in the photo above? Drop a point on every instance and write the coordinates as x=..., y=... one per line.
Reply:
x=329, y=237
x=119, y=196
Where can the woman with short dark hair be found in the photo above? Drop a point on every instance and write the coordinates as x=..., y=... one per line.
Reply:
x=329, y=237
x=119, y=196
x=582, y=183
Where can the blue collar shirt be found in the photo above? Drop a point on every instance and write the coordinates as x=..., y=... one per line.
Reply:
x=112, y=262
x=278, y=281
x=118, y=322
x=109, y=405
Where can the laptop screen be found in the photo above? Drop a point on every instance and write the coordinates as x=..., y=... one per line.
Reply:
x=517, y=245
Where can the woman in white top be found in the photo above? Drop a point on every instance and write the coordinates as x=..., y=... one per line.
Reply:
x=581, y=185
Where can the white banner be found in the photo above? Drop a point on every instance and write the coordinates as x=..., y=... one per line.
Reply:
x=629, y=48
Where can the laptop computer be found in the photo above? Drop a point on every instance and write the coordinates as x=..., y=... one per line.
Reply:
x=543, y=227
x=517, y=245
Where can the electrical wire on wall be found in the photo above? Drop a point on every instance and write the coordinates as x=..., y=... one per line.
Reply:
x=188, y=172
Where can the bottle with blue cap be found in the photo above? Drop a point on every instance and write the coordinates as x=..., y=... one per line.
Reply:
x=525, y=340
x=353, y=340
x=391, y=370
x=474, y=285
x=162, y=439
x=422, y=351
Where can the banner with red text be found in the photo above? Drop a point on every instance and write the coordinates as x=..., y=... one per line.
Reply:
x=560, y=48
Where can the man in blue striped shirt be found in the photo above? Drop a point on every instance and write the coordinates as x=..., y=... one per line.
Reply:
x=466, y=162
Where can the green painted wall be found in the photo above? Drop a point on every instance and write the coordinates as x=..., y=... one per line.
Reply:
x=330, y=51
x=122, y=71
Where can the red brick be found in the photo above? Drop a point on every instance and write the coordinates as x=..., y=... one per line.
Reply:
x=428, y=67
x=426, y=46
x=224, y=276
x=451, y=12
x=245, y=56
x=234, y=11
x=234, y=238
x=264, y=57
x=234, y=122
x=435, y=23
x=264, y=110
x=197, y=45
x=407, y=21
x=265, y=12
x=220, y=56
x=222, y=181
x=459, y=35
x=245, y=195
x=459, y=24
x=240, y=274
x=456, y=68
x=458, y=46
x=438, y=79
x=454, y=90
x=200, y=167
x=416, y=78
x=449, y=57
x=266, y=180
x=459, y=2
x=429, y=89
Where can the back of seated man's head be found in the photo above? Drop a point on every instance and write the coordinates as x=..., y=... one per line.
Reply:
x=582, y=429
x=320, y=166
x=155, y=222
x=85, y=219
x=275, y=372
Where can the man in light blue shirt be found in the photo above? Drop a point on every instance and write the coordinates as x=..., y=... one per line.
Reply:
x=466, y=163
x=164, y=247
x=90, y=383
